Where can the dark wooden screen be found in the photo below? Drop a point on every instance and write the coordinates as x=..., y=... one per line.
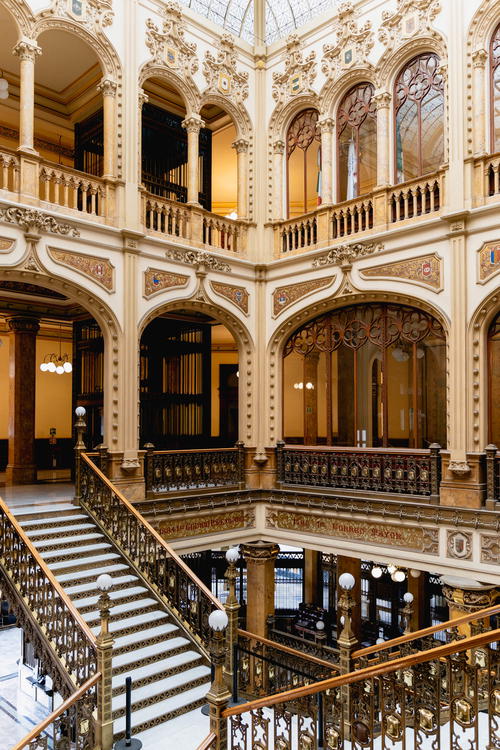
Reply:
x=88, y=377
x=89, y=144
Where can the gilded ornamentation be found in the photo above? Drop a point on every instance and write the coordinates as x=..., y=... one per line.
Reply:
x=410, y=19
x=94, y=14
x=352, y=44
x=6, y=244
x=31, y=220
x=469, y=600
x=198, y=258
x=345, y=254
x=284, y=296
x=221, y=74
x=98, y=269
x=236, y=294
x=459, y=545
x=490, y=548
x=156, y=281
x=298, y=75
x=489, y=261
x=168, y=46
x=397, y=535
x=425, y=270
x=213, y=523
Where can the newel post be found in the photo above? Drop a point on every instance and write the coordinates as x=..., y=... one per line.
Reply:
x=346, y=643
x=104, y=647
x=148, y=466
x=232, y=607
x=435, y=478
x=491, y=452
x=218, y=696
x=80, y=427
x=240, y=445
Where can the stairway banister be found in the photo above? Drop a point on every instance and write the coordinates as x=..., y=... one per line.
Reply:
x=288, y=650
x=369, y=672
x=463, y=620
x=216, y=603
x=24, y=743
x=207, y=743
x=48, y=573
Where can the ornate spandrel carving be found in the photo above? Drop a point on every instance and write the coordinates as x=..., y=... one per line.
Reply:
x=346, y=254
x=425, y=271
x=352, y=44
x=221, y=74
x=284, y=296
x=94, y=14
x=238, y=295
x=410, y=19
x=168, y=46
x=100, y=270
x=156, y=281
x=31, y=220
x=198, y=258
x=299, y=73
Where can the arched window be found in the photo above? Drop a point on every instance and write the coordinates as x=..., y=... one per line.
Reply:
x=368, y=375
x=303, y=152
x=357, y=142
x=495, y=90
x=419, y=138
x=494, y=381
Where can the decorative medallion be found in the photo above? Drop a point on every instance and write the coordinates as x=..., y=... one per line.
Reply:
x=425, y=270
x=459, y=545
x=284, y=296
x=214, y=523
x=221, y=74
x=342, y=255
x=236, y=294
x=98, y=269
x=6, y=244
x=367, y=532
x=411, y=18
x=94, y=14
x=489, y=261
x=31, y=220
x=156, y=281
x=168, y=46
x=298, y=75
x=490, y=548
x=198, y=258
x=352, y=44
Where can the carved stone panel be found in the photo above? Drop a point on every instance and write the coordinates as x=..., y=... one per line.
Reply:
x=345, y=254
x=298, y=75
x=221, y=74
x=238, y=295
x=410, y=19
x=490, y=548
x=168, y=46
x=284, y=296
x=352, y=44
x=212, y=523
x=489, y=261
x=100, y=270
x=156, y=281
x=426, y=271
x=459, y=545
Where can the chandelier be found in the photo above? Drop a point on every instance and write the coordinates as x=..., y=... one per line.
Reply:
x=58, y=363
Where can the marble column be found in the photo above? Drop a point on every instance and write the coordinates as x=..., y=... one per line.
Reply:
x=382, y=101
x=241, y=148
x=279, y=179
x=479, y=60
x=353, y=566
x=193, y=125
x=465, y=597
x=21, y=467
x=27, y=50
x=260, y=557
x=327, y=127
x=108, y=88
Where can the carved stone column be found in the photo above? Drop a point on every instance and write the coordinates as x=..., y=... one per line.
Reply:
x=479, y=60
x=193, y=125
x=260, y=557
x=241, y=148
x=278, y=151
x=22, y=379
x=327, y=127
x=108, y=89
x=464, y=597
x=382, y=101
x=27, y=50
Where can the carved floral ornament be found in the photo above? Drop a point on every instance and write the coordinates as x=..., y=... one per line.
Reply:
x=425, y=271
x=168, y=46
x=221, y=74
x=410, y=19
x=299, y=73
x=285, y=296
x=93, y=14
x=342, y=255
x=100, y=270
x=31, y=220
x=352, y=44
x=198, y=258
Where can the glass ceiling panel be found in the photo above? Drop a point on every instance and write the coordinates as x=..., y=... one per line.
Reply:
x=282, y=16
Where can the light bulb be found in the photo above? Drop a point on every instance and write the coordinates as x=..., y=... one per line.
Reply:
x=347, y=581
x=218, y=620
x=391, y=569
x=43, y=367
x=233, y=555
x=67, y=367
x=310, y=386
x=414, y=573
x=4, y=84
x=398, y=576
x=80, y=411
x=51, y=367
x=60, y=370
x=377, y=571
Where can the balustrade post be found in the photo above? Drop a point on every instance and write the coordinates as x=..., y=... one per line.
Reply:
x=104, y=648
x=80, y=426
x=148, y=466
x=232, y=607
x=218, y=696
x=103, y=457
x=491, y=452
x=240, y=445
x=280, y=477
x=407, y=613
x=347, y=643
x=435, y=473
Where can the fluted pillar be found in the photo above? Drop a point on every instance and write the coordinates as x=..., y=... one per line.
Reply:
x=278, y=151
x=382, y=101
x=193, y=125
x=479, y=60
x=21, y=468
x=27, y=51
x=260, y=557
x=108, y=88
x=241, y=148
x=327, y=127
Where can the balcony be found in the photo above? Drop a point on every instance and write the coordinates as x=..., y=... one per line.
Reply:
x=486, y=183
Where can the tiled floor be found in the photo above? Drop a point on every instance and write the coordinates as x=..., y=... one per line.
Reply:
x=36, y=494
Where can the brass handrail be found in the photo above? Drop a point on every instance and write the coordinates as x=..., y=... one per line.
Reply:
x=55, y=714
x=195, y=450
x=463, y=620
x=376, y=670
x=288, y=650
x=207, y=742
x=354, y=449
x=48, y=573
x=186, y=569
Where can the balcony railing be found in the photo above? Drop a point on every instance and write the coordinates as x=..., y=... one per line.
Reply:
x=222, y=233
x=204, y=469
x=9, y=171
x=72, y=190
x=416, y=198
x=486, y=187
x=399, y=471
x=166, y=217
x=352, y=218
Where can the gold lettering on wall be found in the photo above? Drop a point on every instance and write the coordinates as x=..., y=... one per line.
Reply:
x=209, y=524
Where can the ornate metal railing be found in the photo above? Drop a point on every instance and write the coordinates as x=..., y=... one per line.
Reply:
x=70, y=638
x=352, y=218
x=416, y=198
x=448, y=696
x=9, y=171
x=492, y=476
x=167, y=217
x=146, y=551
x=209, y=743
x=317, y=649
x=72, y=725
x=72, y=189
x=400, y=471
x=205, y=469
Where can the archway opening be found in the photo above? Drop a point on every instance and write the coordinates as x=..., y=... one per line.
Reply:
x=9, y=93
x=494, y=381
x=303, y=160
x=188, y=383
x=224, y=167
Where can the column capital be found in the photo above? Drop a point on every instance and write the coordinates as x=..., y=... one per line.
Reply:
x=193, y=123
x=326, y=124
x=279, y=147
x=479, y=58
x=468, y=596
x=143, y=98
x=240, y=146
x=23, y=324
x=382, y=99
x=27, y=49
x=260, y=552
x=107, y=87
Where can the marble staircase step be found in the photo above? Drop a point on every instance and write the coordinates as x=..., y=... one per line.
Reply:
x=80, y=590
x=63, y=542
x=41, y=522
x=139, y=656
x=58, y=532
x=135, y=624
x=163, y=689
x=90, y=562
x=81, y=576
x=44, y=511
x=134, y=594
x=158, y=670
x=90, y=550
x=140, y=606
x=154, y=634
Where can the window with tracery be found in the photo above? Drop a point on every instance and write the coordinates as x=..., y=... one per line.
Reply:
x=303, y=151
x=495, y=90
x=357, y=142
x=367, y=375
x=494, y=381
x=419, y=101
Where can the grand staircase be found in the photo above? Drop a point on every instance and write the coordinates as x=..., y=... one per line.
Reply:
x=170, y=676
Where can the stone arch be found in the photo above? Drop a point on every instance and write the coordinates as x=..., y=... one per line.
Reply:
x=282, y=116
x=245, y=350
x=238, y=113
x=22, y=16
x=478, y=395
x=391, y=63
x=333, y=92
x=294, y=320
x=185, y=87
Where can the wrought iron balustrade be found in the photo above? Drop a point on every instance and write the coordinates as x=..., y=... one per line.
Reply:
x=492, y=476
x=407, y=472
x=26, y=575
x=147, y=551
x=317, y=649
x=168, y=471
